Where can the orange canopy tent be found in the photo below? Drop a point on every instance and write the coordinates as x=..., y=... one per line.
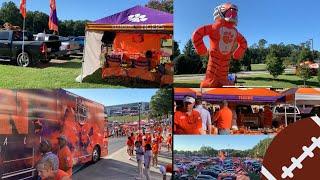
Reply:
x=180, y=93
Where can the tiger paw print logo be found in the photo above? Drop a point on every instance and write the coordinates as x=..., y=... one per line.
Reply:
x=227, y=37
x=137, y=18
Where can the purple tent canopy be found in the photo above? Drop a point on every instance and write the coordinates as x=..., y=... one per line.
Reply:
x=137, y=15
x=242, y=99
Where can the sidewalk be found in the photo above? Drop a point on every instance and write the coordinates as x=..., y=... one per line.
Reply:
x=122, y=156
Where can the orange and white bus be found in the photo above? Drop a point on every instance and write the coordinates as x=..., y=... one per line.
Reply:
x=29, y=116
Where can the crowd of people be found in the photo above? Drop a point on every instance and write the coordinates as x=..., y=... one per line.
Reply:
x=55, y=166
x=195, y=117
x=146, y=146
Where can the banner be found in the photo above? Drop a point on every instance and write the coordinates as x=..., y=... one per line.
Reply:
x=53, y=19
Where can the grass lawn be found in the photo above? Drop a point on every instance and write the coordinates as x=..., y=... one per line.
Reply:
x=258, y=67
x=283, y=81
x=57, y=74
x=126, y=118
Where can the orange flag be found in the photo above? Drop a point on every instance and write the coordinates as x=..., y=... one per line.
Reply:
x=23, y=9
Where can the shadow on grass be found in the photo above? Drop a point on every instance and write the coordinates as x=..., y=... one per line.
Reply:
x=96, y=78
x=186, y=85
x=295, y=82
x=71, y=65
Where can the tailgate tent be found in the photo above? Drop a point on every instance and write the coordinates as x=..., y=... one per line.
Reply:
x=139, y=20
x=302, y=96
x=180, y=93
x=243, y=95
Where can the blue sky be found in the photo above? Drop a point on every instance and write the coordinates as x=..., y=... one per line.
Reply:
x=276, y=21
x=241, y=142
x=110, y=97
x=82, y=9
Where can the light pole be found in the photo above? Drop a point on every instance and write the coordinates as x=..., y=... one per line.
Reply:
x=311, y=40
x=139, y=105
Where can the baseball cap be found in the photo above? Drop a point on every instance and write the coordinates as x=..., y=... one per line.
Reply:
x=188, y=99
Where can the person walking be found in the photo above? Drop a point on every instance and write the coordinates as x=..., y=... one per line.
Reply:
x=139, y=155
x=64, y=155
x=169, y=142
x=129, y=147
x=224, y=119
x=147, y=161
x=155, y=152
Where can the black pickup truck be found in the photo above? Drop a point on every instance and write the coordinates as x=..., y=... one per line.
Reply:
x=34, y=51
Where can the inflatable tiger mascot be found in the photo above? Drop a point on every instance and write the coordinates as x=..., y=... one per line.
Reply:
x=225, y=42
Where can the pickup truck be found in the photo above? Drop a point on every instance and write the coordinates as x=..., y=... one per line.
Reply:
x=34, y=51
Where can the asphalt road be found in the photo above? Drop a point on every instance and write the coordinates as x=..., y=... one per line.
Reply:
x=116, y=143
x=110, y=168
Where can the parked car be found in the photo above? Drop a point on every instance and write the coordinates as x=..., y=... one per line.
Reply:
x=310, y=111
x=70, y=47
x=205, y=177
x=279, y=113
x=80, y=41
x=11, y=48
x=53, y=45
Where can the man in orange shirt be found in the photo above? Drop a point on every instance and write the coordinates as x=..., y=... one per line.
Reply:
x=160, y=140
x=224, y=119
x=267, y=117
x=188, y=121
x=64, y=155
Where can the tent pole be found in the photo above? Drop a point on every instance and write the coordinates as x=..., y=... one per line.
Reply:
x=294, y=109
x=285, y=115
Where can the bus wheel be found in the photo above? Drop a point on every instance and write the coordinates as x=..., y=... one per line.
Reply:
x=96, y=154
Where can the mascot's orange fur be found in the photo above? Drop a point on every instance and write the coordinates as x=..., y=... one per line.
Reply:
x=224, y=38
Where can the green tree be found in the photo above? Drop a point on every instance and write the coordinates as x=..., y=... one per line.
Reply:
x=162, y=5
x=304, y=73
x=37, y=22
x=262, y=43
x=248, y=57
x=161, y=103
x=176, y=50
x=11, y=14
x=185, y=65
x=190, y=51
x=305, y=54
x=235, y=66
x=275, y=65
